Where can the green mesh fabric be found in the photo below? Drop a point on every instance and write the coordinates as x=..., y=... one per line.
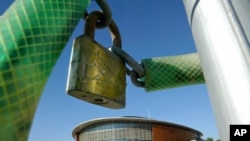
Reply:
x=172, y=72
x=32, y=35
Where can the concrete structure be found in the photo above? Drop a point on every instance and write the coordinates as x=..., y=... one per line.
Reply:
x=133, y=129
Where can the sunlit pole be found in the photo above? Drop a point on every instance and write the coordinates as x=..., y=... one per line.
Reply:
x=221, y=32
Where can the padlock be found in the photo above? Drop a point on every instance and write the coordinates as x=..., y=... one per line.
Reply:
x=97, y=75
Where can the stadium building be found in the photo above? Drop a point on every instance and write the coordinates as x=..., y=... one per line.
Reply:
x=133, y=129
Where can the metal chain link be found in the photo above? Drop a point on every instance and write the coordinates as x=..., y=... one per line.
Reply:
x=106, y=19
x=137, y=71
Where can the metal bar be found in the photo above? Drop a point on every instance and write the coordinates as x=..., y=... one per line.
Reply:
x=221, y=32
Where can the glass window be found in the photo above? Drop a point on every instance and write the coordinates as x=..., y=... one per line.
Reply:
x=118, y=131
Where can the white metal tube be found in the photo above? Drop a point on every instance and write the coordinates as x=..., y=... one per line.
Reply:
x=221, y=34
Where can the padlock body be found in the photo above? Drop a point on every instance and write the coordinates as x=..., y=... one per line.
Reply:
x=96, y=75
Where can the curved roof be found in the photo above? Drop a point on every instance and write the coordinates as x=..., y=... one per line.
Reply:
x=83, y=125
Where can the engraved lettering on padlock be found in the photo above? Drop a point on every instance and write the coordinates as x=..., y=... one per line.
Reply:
x=96, y=75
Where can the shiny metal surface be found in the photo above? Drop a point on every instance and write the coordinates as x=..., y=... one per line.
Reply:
x=96, y=75
x=221, y=33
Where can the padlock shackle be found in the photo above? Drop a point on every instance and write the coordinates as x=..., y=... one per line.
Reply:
x=90, y=26
x=115, y=35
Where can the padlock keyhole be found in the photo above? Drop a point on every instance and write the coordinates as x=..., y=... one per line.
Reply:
x=100, y=101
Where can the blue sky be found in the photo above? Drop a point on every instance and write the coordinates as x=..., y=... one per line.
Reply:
x=149, y=28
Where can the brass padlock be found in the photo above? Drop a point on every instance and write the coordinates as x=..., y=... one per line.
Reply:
x=97, y=75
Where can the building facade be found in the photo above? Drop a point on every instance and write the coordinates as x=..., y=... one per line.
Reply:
x=133, y=129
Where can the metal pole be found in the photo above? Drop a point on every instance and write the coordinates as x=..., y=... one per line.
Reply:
x=221, y=32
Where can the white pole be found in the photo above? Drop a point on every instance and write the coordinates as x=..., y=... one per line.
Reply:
x=221, y=32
